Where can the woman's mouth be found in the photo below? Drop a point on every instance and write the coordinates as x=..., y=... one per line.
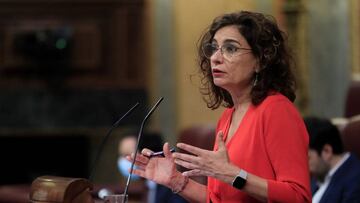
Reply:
x=217, y=73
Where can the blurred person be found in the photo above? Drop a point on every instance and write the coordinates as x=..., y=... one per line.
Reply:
x=261, y=147
x=335, y=172
x=127, y=145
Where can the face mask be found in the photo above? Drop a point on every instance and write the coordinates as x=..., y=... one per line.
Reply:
x=124, y=165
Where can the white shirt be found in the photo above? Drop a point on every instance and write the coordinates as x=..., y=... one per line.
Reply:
x=323, y=186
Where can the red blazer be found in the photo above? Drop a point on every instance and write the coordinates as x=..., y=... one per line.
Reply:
x=271, y=142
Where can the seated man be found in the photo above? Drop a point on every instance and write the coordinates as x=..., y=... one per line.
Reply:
x=335, y=173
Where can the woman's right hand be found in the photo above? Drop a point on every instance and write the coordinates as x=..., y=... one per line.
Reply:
x=161, y=170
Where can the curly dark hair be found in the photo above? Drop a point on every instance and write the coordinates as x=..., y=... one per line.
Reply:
x=269, y=46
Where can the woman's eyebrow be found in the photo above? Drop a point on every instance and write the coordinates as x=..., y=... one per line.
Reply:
x=227, y=41
x=232, y=41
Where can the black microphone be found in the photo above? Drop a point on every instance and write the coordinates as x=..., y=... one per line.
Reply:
x=137, y=144
x=116, y=124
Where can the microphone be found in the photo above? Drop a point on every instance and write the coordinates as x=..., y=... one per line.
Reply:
x=137, y=144
x=116, y=124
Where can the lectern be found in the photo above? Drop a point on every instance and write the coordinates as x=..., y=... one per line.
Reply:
x=53, y=189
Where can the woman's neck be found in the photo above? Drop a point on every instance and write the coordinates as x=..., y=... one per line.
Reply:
x=241, y=98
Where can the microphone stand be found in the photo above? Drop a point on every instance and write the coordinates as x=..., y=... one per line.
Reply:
x=116, y=124
x=137, y=146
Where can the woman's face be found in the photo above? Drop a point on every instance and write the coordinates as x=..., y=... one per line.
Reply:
x=233, y=71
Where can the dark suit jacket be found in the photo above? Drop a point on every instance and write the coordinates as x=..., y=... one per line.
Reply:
x=165, y=195
x=345, y=183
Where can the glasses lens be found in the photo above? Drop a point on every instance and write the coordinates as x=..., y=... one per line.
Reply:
x=230, y=50
x=209, y=50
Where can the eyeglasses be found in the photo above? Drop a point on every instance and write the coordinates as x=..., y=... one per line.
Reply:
x=227, y=50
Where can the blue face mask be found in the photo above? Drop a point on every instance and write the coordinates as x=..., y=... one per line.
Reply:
x=124, y=165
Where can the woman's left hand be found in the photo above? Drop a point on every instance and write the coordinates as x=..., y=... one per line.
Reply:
x=207, y=163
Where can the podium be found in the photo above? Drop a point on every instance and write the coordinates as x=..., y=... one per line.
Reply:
x=53, y=189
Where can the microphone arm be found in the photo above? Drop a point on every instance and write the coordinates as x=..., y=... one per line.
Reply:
x=116, y=124
x=137, y=144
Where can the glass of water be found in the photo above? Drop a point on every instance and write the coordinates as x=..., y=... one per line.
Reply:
x=116, y=198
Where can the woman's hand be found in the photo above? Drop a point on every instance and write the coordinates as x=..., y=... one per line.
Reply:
x=207, y=163
x=161, y=170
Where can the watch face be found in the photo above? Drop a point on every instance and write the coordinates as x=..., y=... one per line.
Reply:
x=239, y=182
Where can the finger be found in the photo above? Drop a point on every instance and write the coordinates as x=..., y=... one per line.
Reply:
x=186, y=157
x=194, y=172
x=139, y=172
x=139, y=158
x=186, y=164
x=197, y=172
x=220, y=140
x=141, y=167
x=146, y=152
x=137, y=163
x=166, y=149
x=191, y=149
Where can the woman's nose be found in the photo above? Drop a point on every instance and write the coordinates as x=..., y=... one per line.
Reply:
x=217, y=57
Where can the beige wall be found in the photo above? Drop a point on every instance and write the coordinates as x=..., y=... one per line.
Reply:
x=355, y=41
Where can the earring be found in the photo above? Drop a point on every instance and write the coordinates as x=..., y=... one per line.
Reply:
x=256, y=78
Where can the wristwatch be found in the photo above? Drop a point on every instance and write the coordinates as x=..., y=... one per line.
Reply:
x=240, y=180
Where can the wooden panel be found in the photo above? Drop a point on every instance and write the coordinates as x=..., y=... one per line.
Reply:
x=89, y=43
x=86, y=47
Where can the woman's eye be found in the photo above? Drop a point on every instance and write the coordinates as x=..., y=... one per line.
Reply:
x=231, y=48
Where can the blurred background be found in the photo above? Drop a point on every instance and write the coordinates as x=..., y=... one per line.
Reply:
x=70, y=68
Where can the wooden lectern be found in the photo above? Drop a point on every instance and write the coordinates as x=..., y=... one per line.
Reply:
x=53, y=189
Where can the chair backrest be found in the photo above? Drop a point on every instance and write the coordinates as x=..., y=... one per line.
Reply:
x=351, y=136
x=202, y=136
x=352, y=105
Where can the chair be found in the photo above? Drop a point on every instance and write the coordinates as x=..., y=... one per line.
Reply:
x=351, y=135
x=202, y=136
x=352, y=103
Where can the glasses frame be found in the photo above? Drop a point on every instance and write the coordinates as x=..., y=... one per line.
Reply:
x=223, y=53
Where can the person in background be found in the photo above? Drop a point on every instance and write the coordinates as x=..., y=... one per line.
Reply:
x=156, y=193
x=127, y=145
x=335, y=172
x=261, y=147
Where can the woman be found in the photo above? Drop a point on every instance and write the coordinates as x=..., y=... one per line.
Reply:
x=260, y=152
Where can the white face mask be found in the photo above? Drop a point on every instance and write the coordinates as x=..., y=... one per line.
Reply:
x=124, y=165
